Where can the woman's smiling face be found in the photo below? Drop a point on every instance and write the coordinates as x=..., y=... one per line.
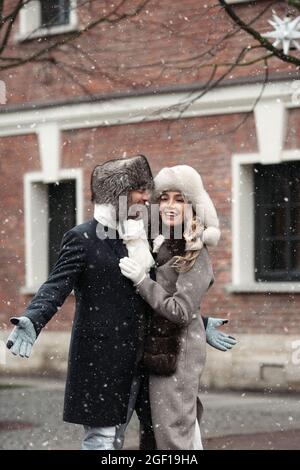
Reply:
x=171, y=208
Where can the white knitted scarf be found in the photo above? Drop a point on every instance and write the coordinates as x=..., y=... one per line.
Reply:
x=131, y=231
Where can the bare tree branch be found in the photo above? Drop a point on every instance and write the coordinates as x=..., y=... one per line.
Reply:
x=60, y=53
x=192, y=60
x=294, y=3
x=10, y=24
x=256, y=35
x=112, y=18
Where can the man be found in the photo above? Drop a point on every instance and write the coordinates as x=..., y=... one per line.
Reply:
x=109, y=315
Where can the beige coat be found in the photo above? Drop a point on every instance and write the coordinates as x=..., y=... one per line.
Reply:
x=175, y=403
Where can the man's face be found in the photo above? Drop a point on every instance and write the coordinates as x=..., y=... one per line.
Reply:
x=138, y=196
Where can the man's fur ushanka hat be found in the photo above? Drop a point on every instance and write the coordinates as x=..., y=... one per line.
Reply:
x=116, y=178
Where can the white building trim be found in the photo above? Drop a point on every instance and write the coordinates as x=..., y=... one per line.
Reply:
x=128, y=110
x=243, y=227
x=49, y=146
x=30, y=22
x=270, y=123
x=36, y=223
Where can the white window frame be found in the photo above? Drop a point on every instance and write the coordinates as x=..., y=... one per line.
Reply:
x=271, y=123
x=36, y=223
x=243, y=226
x=30, y=22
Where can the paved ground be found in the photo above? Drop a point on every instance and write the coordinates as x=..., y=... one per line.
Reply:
x=31, y=411
x=280, y=440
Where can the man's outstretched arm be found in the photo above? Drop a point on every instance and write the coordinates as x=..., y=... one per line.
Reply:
x=51, y=295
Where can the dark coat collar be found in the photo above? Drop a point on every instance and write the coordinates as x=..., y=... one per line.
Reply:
x=111, y=238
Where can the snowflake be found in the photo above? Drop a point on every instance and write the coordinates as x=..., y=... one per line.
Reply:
x=286, y=32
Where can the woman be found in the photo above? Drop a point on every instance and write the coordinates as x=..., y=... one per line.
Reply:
x=175, y=349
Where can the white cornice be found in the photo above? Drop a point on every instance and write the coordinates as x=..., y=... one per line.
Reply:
x=226, y=100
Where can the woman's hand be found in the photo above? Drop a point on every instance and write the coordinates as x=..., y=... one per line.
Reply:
x=132, y=270
x=216, y=338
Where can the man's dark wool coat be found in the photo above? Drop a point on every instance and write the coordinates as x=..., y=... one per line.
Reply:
x=108, y=326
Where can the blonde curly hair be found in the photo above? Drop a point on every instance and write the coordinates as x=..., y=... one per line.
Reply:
x=192, y=234
x=193, y=243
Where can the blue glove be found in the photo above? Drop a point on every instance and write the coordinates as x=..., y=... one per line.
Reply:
x=216, y=338
x=22, y=337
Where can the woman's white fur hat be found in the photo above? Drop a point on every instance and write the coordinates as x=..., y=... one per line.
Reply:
x=185, y=179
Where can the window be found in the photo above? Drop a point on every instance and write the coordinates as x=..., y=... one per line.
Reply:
x=55, y=12
x=47, y=17
x=51, y=209
x=277, y=222
x=61, y=215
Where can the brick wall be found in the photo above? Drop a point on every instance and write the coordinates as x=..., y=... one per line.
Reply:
x=148, y=51
x=130, y=56
x=207, y=143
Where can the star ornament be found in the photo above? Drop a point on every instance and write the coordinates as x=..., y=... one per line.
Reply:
x=286, y=32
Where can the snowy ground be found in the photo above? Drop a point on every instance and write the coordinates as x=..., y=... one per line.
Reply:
x=31, y=410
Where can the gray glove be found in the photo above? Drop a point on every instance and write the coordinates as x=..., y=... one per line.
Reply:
x=22, y=337
x=216, y=338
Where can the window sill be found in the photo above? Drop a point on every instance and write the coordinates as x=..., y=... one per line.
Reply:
x=264, y=287
x=44, y=32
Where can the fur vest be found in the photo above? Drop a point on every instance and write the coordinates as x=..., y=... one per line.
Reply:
x=163, y=343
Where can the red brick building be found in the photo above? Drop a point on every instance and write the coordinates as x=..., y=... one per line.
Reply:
x=134, y=85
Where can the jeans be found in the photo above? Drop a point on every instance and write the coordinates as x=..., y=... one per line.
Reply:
x=197, y=443
x=99, y=438
x=111, y=437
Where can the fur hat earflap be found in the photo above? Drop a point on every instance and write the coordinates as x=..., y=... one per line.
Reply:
x=185, y=179
x=116, y=178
